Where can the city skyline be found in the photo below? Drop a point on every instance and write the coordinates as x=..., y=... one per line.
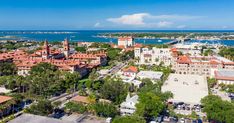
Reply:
x=117, y=15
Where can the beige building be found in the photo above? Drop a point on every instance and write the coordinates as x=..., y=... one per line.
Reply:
x=154, y=55
x=200, y=65
x=126, y=41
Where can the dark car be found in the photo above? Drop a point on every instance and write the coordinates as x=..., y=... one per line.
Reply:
x=199, y=121
x=58, y=113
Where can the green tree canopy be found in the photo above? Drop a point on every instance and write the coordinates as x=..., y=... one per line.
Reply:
x=43, y=68
x=150, y=105
x=71, y=79
x=80, y=49
x=208, y=52
x=43, y=108
x=129, y=119
x=45, y=84
x=105, y=109
x=7, y=69
x=155, y=89
x=227, y=52
x=75, y=107
x=113, y=53
x=105, y=45
x=114, y=90
x=217, y=109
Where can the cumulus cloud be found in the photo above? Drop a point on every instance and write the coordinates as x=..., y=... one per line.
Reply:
x=149, y=20
x=176, y=17
x=134, y=19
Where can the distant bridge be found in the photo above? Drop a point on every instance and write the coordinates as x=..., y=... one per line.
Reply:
x=182, y=40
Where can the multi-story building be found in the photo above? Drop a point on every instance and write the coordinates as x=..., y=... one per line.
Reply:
x=98, y=58
x=126, y=41
x=154, y=55
x=84, y=44
x=224, y=76
x=200, y=65
x=66, y=48
x=193, y=49
x=130, y=71
x=79, y=62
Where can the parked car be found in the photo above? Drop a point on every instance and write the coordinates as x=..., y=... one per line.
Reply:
x=159, y=119
x=182, y=120
x=108, y=120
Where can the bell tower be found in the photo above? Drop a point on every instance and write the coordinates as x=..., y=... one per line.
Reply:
x=66, y=48
x=45, y=50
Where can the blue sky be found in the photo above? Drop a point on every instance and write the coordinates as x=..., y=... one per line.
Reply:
x=117, y=14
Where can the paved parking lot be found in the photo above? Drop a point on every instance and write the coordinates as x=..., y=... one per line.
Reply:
x=82, y=118
x=222, y=94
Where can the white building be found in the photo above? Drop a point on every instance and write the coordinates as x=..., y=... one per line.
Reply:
x=154, y=55
x=132, y=81
x=150, y=74
x=193, y=49
x=131, y=71
x=224, y=76
x=128, y=106
x=189, y=89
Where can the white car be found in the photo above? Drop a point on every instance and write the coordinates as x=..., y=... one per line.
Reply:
x=182, y=120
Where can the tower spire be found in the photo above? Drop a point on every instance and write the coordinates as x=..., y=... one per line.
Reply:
x=66, y=48
x=45, y=50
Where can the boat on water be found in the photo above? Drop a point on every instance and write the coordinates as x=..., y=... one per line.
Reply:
x=159, y=40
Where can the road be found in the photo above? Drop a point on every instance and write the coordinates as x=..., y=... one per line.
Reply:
x=221, y=94
x=63, y=98
x=113, y=70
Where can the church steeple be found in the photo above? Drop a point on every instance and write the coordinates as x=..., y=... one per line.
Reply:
x=45, y=50
x=66, y=48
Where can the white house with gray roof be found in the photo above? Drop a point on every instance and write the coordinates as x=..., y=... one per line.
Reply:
x=128, y=106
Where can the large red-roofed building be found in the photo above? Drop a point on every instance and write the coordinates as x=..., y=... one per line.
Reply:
x=201, y=65
x=64, y=60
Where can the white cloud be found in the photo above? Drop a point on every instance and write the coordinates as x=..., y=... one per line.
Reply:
x=163, y=24
x=134, y=19
x=97, y=24
x=149, y=21
x=175, y=17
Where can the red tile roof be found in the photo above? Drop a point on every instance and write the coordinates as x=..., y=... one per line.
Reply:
x=124, y=38
x=173, y=49
x=184, y=59
x=137, y=45
x=131, y=69
x=121, y=46
x=4, y=99
x=228, y=63
x=214, y=62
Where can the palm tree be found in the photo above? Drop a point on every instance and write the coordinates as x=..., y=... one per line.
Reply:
x=19, y=82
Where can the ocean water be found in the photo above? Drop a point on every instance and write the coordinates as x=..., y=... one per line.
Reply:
x=91, y=36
